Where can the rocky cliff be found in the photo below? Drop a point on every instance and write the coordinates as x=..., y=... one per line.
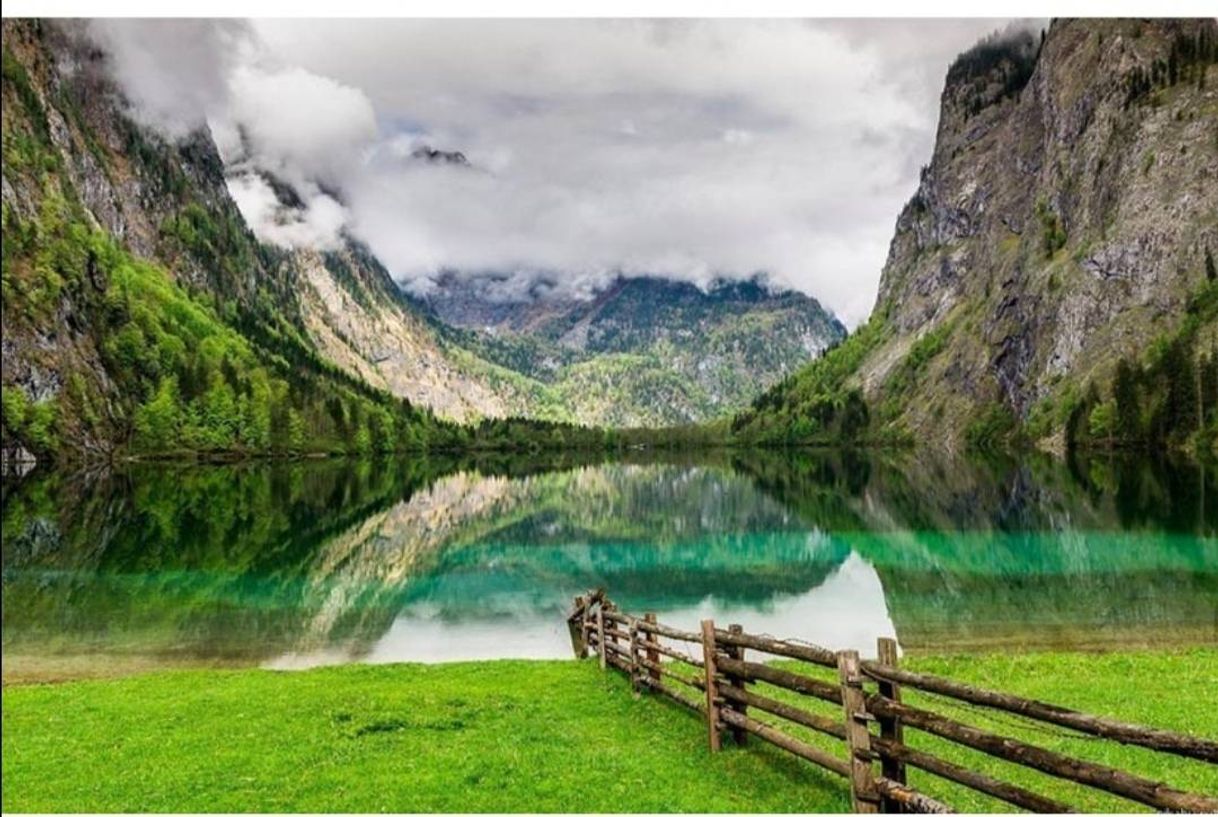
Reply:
x=1063, y=224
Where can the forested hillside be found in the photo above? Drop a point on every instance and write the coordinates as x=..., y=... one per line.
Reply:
x=140, y=314
x=641, y=351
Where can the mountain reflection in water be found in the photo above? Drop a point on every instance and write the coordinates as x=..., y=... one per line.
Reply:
x=300, y=563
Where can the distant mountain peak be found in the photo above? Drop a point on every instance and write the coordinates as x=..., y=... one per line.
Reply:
x=427, y=153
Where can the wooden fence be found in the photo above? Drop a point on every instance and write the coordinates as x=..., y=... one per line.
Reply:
x=718, y=681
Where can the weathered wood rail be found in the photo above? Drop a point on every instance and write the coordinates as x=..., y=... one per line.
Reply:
x=708, y=671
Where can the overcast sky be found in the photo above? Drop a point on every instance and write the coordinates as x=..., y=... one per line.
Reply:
x=690, y=149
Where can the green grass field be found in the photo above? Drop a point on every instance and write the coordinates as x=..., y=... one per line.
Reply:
x=505, y=736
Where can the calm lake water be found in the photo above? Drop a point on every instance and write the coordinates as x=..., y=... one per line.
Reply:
x=306, y=563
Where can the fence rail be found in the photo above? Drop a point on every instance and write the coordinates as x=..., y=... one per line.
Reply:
x=719, y=682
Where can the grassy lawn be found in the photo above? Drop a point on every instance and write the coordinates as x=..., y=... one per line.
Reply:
x=506, y=736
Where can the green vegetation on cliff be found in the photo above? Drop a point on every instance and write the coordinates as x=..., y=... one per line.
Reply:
x=1168, y=398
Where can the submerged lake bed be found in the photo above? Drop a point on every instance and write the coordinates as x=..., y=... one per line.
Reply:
x=299, y=564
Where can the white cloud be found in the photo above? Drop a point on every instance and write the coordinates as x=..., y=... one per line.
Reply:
x=690, y=149
x=175, y=71
x=317, y=224
x=301, y=126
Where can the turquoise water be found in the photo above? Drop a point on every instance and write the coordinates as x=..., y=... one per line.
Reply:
x=306, y=563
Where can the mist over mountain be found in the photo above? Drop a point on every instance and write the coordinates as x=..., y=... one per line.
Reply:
x=689, y=150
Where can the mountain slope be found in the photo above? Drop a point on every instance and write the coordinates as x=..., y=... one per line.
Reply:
x=80, y=170
x=141, y=315
x=639, y=351
x=1065, y=223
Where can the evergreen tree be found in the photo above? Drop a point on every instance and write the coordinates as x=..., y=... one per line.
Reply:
x=1181, y=402
x=1210, y=272
x=1125, y=394
x=1209, y=387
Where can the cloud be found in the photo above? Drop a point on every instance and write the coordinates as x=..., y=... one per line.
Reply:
x=301, y=126
x=691, y=149
x=316, y=222
x=175, y=72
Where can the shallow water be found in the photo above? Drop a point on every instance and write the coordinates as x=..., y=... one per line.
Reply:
x=305, y=563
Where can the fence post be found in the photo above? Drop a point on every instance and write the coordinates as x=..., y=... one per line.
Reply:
x=864, y=796
x=635, y=669
x=708, y=660
x=739, y=735
x=575, y=626
x=600, y=631
x=652, y=655
x=890, y=727
x=610, y=606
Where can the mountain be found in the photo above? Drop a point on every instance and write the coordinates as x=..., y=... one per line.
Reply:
x=141, y=314
x=639, y=351
x=1052, y=279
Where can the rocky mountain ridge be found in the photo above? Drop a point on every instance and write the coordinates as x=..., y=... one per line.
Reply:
x=1064, y=223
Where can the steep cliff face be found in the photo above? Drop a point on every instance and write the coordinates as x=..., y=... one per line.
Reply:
x=1052, y=277
x=1062, y=222
x=352, y=310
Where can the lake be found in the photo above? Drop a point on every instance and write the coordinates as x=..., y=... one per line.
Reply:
x=297, y=564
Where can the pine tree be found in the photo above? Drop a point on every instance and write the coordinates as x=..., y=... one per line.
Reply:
x=1210, y=272
x=1181, y=403
x=1209, y=387
x=1125, y=393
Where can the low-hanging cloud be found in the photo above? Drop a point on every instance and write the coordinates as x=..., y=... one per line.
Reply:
x=688, y=149
x=175, y=71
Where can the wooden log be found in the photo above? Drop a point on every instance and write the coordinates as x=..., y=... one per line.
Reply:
x=774, y=646
x=610, y=616
x=751, y=671
x=784, y=741
x=864, y=796
x=576, y=630
x=708, y=666
x=1158, y=739
x=670, y=632
x=618, y=649
x=734, y=651
x=794, y=714
x=618, y=663
x=1007, y=792
x=653, y=655
x=600, y=633
x=1097, y=776
x=656, y=670
x=664, y=649
x=616, y=615
x=615, y=635
x=893, y=768
x=658, y=686
x=911, y=799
